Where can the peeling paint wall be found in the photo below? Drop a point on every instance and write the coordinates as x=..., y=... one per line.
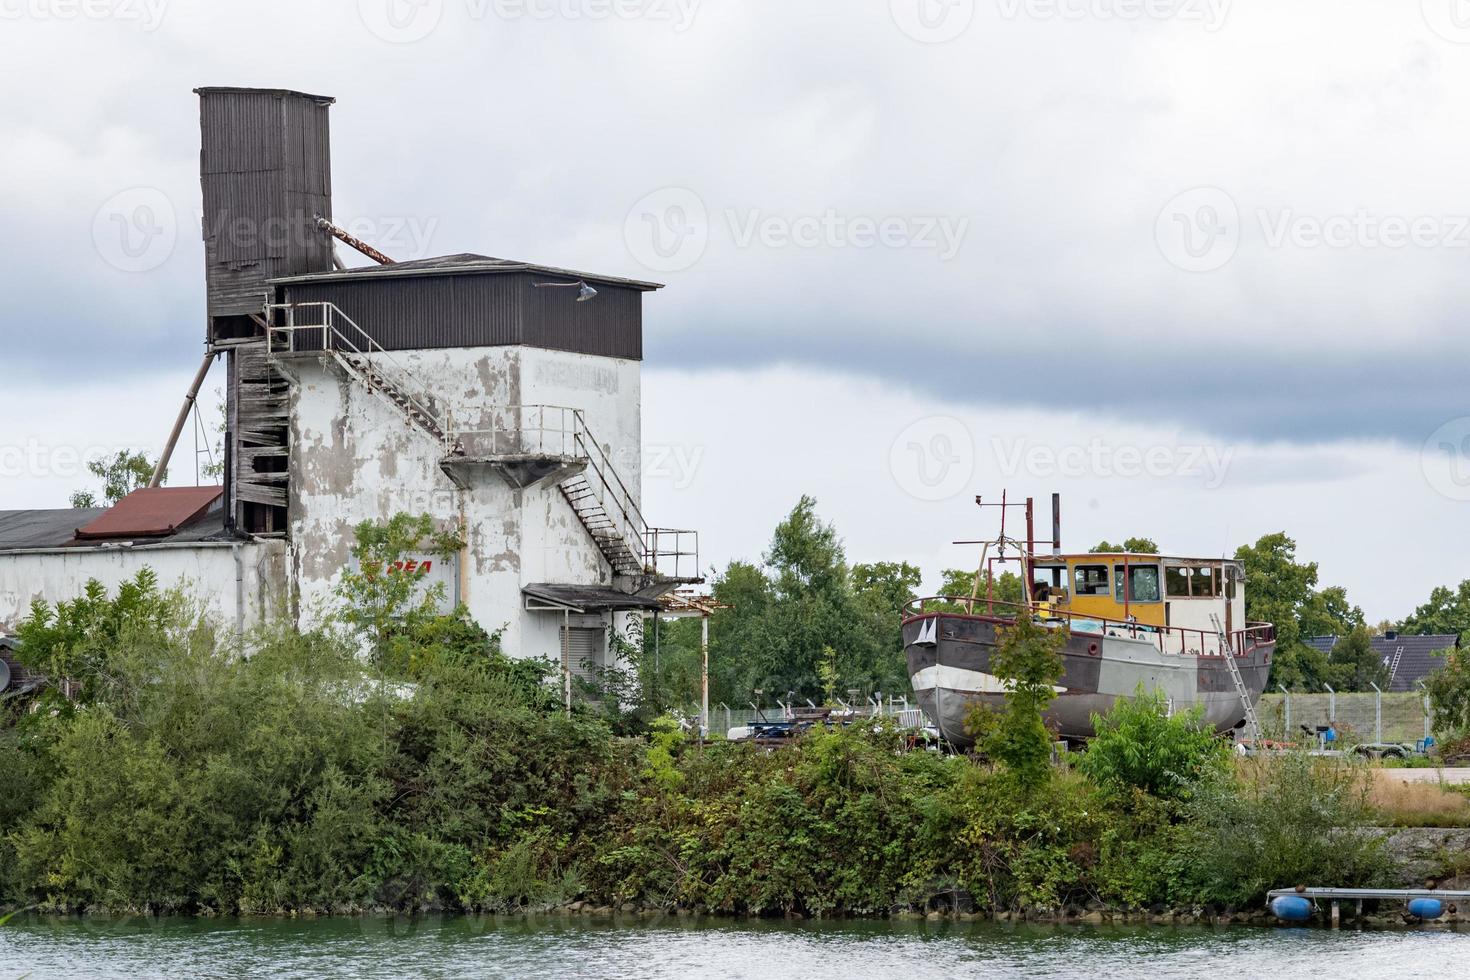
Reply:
x=246, y=593
x=354, y=458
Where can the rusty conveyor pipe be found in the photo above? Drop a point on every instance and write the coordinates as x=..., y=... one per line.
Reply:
x=347, y=239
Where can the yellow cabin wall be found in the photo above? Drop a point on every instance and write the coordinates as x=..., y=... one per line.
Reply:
x=1107, y=606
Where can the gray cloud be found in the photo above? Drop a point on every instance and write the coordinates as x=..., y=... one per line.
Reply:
x=1058, y=148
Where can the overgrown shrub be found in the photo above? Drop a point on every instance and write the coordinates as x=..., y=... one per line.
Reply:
x=1139, y=745
x=1028, y=659
x=424, y=769
x=1277, y=822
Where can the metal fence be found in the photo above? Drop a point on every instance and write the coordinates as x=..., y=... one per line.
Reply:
x=1400, y=717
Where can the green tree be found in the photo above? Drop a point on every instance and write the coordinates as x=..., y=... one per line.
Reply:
x=1133, y=546
x=1282, y=591
x=1028, y=660
x=1329, y=613
x=812, y=605
x=1008, y=586
x=120, y=475
x=1449, y=693
x=880, y=593
x=1446, y=613
x=1353, y=664
x=1277, y=587
x=382, y=598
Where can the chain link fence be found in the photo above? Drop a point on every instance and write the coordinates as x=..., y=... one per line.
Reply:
x=1355, y=716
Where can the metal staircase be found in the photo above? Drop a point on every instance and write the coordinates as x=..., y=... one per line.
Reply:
x=596, y=493
x=593, y=514
x=1252, y=723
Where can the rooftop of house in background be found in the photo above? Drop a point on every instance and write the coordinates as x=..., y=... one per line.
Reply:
x=1409, y=659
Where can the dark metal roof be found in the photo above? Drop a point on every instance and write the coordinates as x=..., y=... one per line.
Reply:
x=23, y=530
x=237, y=90
x=155, y=512
x=1416, y=655
x=464, y=263
x=588, y=598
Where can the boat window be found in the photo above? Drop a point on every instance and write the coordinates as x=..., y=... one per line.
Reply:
x=1176, y=581
x=1143, y=583
x=1091, y=580
x=1204, y=583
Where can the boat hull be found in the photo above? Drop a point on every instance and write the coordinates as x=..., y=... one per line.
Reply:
x=949, y=666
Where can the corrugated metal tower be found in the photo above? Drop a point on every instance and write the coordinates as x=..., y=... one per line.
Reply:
x=266, y=171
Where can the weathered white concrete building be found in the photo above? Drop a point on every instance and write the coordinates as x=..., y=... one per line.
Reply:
x=496, y=396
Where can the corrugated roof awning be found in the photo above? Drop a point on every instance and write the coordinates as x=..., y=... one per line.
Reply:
x=587, y=598
x=155, y=512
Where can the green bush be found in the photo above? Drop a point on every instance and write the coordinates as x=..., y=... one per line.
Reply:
x=1138, y=745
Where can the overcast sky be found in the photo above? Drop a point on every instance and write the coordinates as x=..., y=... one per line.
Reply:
x=1198, y=264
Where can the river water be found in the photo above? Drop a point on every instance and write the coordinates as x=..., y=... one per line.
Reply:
x=39, y=948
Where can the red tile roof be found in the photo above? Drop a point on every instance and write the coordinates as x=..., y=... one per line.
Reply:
x=152, y=513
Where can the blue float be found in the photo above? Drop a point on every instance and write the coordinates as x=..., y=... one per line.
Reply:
x=1426, y=908
x=1291, y=908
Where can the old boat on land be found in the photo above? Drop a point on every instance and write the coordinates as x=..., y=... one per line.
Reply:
x=1168, y=623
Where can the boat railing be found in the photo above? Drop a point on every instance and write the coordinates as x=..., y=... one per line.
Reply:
x=1172, y=640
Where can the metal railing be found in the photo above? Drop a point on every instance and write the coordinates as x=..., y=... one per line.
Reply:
x=1243, y=641
x=521, y=430
x=560, y=431
x=338, y=333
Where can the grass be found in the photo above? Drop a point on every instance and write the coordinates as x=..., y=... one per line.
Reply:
x=1403, y=804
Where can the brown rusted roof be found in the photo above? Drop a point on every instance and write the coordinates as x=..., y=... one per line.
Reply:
x=152, y=513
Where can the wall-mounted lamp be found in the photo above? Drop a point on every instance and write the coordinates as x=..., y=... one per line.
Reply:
x=584, y=291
